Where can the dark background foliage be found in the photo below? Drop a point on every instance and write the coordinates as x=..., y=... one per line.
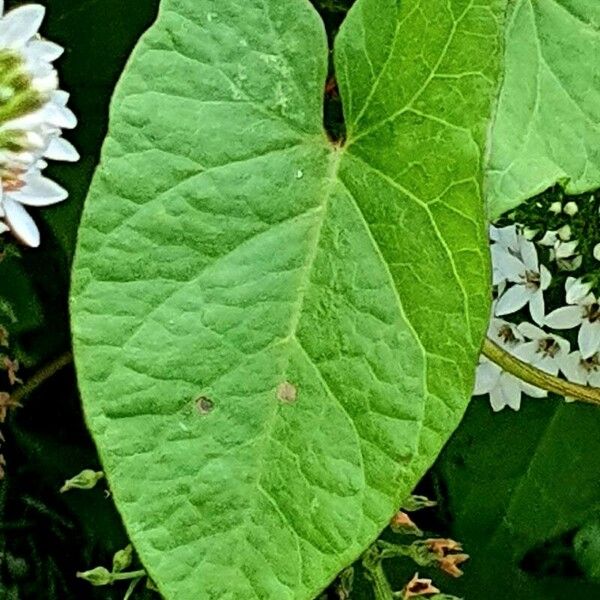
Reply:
x=520, y=490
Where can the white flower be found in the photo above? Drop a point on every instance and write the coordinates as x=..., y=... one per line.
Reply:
x=583, y=310
x=32, y=131
x=505, y=334
x=596, y=252
x=584, y=371
x=506, y=237
x=561, y=250
x=35, y=190
x=545, y=351
x=504, y=389
x=530, y=280
x=576, y=289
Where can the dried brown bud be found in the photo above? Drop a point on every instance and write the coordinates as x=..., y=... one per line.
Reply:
x=6, y=402
x=449, y=564
x=417, y=587
x=12, y=367
x=441, y=547
x=402, y=523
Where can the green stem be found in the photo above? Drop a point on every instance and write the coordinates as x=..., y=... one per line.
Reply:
x=372, y=563
x=46, y=372
x=381, y=587
x=128, y=575
x=545, y=381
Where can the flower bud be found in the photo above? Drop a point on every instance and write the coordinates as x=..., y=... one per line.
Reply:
x=122, y=559
x=97, y=576
x=85, y=480
x=564, y=233
x=571, y=209
x=413, y=503
x=555, y=207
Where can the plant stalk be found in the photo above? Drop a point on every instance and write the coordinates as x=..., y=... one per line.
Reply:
x=45, y=373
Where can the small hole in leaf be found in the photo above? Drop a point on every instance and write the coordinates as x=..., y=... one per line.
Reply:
x=204, y=405
x=287, y=392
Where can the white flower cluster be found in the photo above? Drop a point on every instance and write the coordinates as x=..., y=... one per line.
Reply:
x=521, y=281
x=33, y=113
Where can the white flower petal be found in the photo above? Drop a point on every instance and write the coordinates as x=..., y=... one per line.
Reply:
x=533, y=391
x=547, y=364
x=572, y=369
x=531, y=332
x=511, y=392
x=505, y=236
x=42, y=50
x=565, y=317
x=594, y=378
x=509, y=266
x=589, y=338
x=512, y=300
x=61, y=97
x=497, y=277
x=537, y=308
x=564, y=346
x=45, y=82
x=21, y=24
x=527, y=352
x=61, y=149
x=486, y=377
x=60, y=116
x=576, y=290
x=529, y=254
x=545, y=278
x=40, y=191
x=20, y=223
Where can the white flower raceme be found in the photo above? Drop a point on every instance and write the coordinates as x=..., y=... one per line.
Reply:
x=582, y=310
x=504, y=389
x=529, y=279
x=33, y=113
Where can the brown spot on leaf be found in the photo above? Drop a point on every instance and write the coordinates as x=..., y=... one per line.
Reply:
x=287, y=392
x=204, y=405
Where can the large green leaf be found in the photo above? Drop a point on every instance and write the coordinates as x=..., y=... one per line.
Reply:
x=547, y=128
x=587, y=548
x=256, y=310
x=515, y=483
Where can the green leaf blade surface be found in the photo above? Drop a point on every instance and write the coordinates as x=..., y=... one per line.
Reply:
x=547, y=126
x=256, y=311
x=418, y=139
